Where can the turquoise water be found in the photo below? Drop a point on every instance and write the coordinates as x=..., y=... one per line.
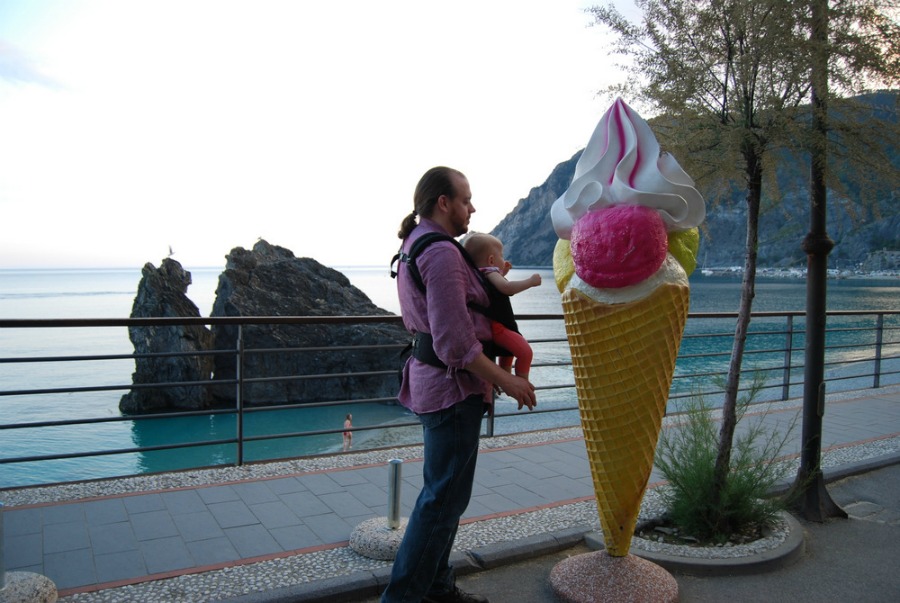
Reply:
x=110, y=293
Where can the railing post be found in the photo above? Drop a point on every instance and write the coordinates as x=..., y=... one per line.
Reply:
x=393, y=514
x=2, y=559
x=879, y=339
x=788, y=355
x=239, y=396
x=490, y=420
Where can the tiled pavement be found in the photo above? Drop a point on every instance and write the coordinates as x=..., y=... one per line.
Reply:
x=114, y=540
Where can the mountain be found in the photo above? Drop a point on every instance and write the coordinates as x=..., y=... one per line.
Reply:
x=527, y=232
x=857, y=229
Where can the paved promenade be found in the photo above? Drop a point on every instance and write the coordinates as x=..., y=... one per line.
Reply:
x=160, y=544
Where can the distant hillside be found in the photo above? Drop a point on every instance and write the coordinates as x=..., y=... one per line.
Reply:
x=527, y=232
x=857, y=230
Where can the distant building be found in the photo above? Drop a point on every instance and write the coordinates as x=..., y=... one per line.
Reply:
x=882, y=260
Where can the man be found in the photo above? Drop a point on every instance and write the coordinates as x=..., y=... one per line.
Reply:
x=450, y=395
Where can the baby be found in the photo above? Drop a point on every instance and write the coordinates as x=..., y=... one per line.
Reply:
x=487, y=253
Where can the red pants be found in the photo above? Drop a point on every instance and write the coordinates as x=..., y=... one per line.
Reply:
x=517, y=346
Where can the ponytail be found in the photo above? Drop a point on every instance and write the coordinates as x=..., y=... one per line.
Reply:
x=406, y=227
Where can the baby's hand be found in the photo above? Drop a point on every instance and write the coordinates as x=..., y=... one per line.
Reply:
x=535, y=280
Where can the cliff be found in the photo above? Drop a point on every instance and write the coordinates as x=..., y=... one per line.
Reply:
x=857, y=229
x=527, y=232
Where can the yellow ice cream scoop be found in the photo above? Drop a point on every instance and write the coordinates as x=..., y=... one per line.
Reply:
x=563, y=266
x=683, y=244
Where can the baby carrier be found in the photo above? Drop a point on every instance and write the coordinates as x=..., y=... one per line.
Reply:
x=499, y=308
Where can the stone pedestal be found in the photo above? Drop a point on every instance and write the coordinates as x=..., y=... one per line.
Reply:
x=28, y=587
x=600, y=578
x=374, y=539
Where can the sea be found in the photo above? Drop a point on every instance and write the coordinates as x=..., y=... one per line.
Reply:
x=109, y=293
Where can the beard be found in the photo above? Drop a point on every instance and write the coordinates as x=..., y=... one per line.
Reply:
x=460, y=226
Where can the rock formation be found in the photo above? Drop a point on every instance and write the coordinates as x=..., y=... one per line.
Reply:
x=162, y=293
x=271, y=281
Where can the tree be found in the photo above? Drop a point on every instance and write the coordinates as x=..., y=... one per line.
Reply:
x=733, y=80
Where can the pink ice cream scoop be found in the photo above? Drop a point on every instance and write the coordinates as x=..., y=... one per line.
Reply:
x=618, y=245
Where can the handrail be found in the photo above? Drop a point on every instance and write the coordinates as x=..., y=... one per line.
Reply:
x=775, y=351
x=15, y=323
x=24, y=323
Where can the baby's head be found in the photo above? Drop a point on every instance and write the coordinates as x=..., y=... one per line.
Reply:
x=486, y=250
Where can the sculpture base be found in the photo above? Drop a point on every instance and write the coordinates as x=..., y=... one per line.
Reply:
x=600, y=578
x=375, y=540
x=28, y=587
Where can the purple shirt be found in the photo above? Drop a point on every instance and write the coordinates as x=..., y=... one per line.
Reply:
x=450, y=284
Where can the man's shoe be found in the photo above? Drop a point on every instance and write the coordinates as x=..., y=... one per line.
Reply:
x=455, y=596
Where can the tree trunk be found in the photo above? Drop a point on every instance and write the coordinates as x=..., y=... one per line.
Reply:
x=732, y=385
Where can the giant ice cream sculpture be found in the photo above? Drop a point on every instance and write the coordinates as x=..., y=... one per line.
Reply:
x=628, y=241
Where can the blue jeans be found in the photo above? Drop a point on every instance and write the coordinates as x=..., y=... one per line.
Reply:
x=422, y=565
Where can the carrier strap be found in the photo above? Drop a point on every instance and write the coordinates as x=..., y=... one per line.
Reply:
x=499, y=307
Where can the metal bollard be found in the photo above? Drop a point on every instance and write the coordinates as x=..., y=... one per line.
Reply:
x=393, y=516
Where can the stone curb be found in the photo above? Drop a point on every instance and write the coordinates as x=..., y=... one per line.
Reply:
x=850, y=469
x=504, y=553
x=834, y=474
x=369, y=584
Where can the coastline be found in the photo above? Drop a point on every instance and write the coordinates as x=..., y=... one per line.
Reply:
x=719, y=270
x=736, y=271
x=800, y=273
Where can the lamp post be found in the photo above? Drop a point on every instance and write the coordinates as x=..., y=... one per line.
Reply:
x=810, y=496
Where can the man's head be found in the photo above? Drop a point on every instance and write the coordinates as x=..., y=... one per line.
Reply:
x=442, y=195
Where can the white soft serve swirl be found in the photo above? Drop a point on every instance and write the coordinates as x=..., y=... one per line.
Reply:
x=622, y=164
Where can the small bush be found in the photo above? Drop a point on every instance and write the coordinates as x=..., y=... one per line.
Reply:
x=686, y=457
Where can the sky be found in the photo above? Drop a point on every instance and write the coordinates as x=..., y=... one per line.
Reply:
x=129, y=127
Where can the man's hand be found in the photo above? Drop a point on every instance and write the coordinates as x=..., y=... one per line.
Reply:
x=515, y=387
x=521, y=390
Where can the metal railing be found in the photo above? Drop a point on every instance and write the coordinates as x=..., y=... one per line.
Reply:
x=863, y=350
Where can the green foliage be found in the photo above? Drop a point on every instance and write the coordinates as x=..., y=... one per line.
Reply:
x=732, y=80
x=687, y=456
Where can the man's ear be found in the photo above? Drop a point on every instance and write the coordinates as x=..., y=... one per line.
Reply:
x=443, y=203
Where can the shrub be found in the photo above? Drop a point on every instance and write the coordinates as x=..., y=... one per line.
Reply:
x=686, y=457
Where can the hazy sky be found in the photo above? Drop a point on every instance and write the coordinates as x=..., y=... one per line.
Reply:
x=127, y=126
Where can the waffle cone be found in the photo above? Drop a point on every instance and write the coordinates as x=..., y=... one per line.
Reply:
x=623, y=356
